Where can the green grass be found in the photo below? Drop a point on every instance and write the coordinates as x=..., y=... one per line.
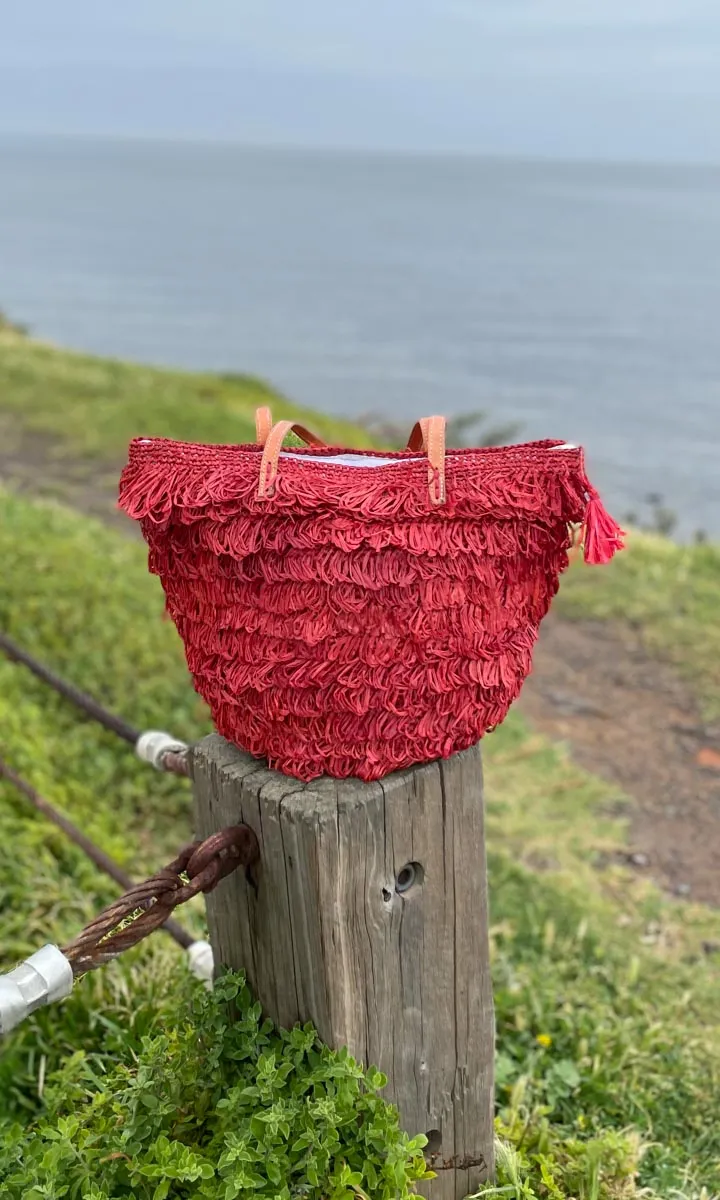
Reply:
x=671, y=594
x=608, y=1037
x=78, y=596
x=86, y=410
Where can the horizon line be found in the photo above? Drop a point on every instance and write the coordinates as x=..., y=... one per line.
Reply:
x=356, y=151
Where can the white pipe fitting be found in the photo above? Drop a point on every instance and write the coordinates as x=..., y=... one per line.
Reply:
x=200, y=961
x=42, y=979
x=152, y=747
x=47, y=976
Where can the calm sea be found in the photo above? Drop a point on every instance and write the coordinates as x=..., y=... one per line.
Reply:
x=580, y=300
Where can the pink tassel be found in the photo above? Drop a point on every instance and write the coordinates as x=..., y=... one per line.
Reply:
x=602, y=536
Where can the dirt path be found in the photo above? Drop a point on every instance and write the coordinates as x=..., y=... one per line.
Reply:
x=630, y=720
x=29, y=466
x=626, y=717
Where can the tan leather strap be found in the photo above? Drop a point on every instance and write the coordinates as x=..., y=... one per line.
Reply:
x=263, y=425
x=428, y=434
x=271, y=454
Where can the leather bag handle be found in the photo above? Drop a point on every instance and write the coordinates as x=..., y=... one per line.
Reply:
x=428, y=435
x=271, y=454
x=263, y=425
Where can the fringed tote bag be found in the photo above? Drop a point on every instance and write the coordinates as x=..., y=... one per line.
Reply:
x=355, y=612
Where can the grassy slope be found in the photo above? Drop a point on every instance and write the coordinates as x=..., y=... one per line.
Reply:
x=73, y=415
x=592, y=962
x=671, y=594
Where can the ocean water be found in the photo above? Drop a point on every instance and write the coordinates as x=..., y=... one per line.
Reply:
x=582, y=301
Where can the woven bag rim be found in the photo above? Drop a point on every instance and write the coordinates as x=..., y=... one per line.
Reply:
x=187, y=451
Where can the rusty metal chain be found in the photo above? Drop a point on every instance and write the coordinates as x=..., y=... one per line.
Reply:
x=146, y=906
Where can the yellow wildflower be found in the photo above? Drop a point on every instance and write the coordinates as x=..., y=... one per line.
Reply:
x=544, y=1039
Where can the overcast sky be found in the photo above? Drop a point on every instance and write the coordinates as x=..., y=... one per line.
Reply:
x=571, y=78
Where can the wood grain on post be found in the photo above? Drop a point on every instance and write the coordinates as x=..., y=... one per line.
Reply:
x=369, y=918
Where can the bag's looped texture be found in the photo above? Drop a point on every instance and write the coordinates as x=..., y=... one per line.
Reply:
x=263, y=425
x=271, y=454
x=360, y=623
x=428, y=434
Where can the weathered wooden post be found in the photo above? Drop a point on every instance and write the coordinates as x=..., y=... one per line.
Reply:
x=369, y=918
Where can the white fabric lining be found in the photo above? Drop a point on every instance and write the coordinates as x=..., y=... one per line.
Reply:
x=349, y=460
x=370, y=460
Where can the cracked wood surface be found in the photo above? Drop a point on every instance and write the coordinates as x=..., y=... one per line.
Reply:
x=401, y=978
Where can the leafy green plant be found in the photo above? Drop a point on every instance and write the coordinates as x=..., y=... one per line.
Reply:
x=216, y=1108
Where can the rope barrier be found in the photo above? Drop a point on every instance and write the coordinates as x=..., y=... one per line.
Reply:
x=199, y=951
x=97, y=856
x=49, y=974
x=147, y=905
x=80, y=699
x=161, y=750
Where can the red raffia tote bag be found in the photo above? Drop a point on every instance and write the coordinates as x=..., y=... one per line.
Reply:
x=352, y=613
